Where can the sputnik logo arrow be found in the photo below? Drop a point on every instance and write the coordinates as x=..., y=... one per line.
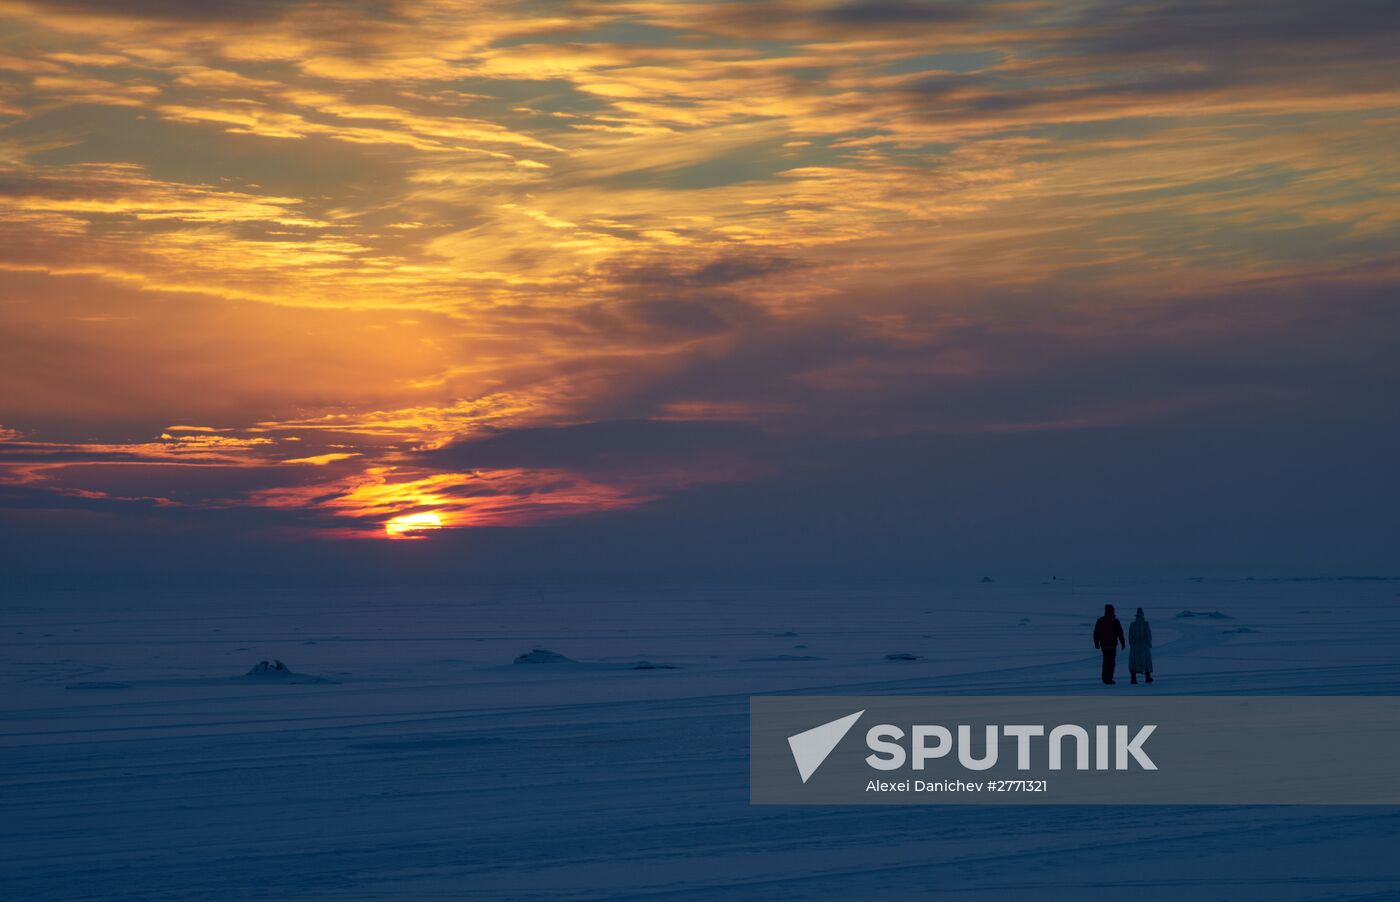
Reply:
x=810, y=747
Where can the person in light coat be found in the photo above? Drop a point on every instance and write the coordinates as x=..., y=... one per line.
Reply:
x=1140, y=647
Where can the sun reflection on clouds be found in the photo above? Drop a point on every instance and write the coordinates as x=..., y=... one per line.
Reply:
x=404, y=501
x=412, y=526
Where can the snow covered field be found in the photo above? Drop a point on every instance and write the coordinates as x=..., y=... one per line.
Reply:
x=408, y=757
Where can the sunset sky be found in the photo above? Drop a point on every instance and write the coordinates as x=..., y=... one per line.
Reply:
x=867, y=275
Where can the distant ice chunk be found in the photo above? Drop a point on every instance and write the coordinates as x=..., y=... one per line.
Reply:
x=276, y=671
x=273, y=668
x=903, y=656
x=543, y=656
x=96, y=684
x=1205, y=615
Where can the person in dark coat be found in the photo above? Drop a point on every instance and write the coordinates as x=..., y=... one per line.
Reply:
x=1108, y=638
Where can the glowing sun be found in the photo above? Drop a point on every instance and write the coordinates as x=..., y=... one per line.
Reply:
x=412, y=526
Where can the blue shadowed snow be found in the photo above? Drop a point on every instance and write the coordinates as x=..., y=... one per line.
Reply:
x=410, y=758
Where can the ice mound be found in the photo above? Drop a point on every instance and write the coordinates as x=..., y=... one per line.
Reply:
x=1239, y=630
x=273, y=668
x=903, y=656
x=1206, y=615
x=276, y=671
x=543, y=656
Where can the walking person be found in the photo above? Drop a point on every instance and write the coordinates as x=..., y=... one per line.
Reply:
x=1140, y=647
x=1108, y=637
